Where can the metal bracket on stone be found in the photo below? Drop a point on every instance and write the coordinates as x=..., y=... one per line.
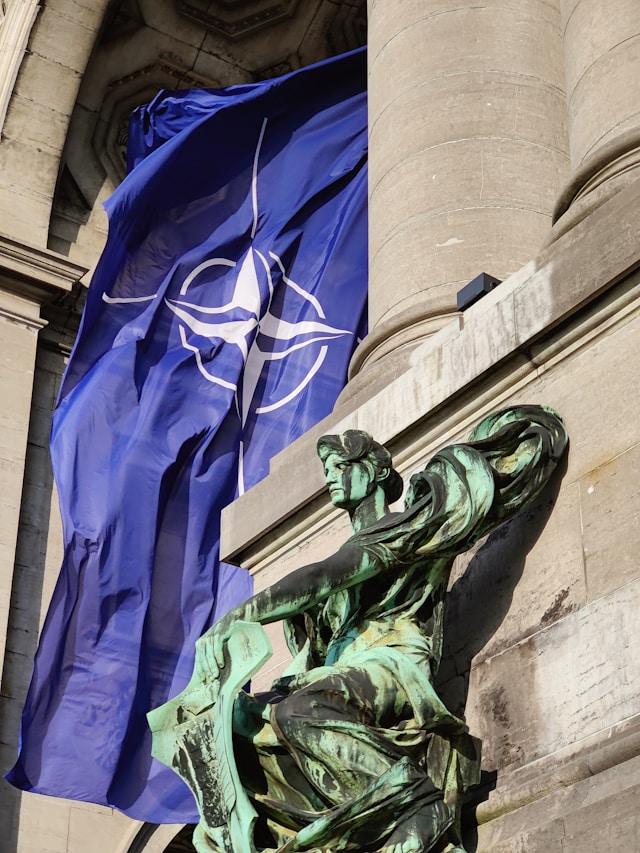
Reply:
x=476, y=289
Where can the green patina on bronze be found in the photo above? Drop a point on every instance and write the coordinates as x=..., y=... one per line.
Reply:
x=353, y=750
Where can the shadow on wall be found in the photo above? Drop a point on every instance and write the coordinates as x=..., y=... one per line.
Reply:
x=27, y=586
x=477, y=604
x=147, y=838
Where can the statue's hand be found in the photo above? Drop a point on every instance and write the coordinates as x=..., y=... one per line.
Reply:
x=210, y=652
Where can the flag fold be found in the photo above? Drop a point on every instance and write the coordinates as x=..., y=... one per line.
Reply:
x=218, y=328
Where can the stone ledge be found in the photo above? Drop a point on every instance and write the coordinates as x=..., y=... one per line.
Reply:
x=34, y=273
x=588, y=812
x=590, y=259
x=595, y=754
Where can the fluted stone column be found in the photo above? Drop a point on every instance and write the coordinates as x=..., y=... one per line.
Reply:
x=468, y=152
x=602, y=67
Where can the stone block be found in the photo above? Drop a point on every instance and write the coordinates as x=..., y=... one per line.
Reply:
x=596, y=814
x=37, y=125
x=38, y=474
x=165, y=18
x=95, y=829
x=46, y=82
x=213, y=67
x=275, y=665
x=86, y=13
x=603, y=62
x=16, y=674
x=468, y=105
x=65, y=38
x=485, y=173
x=548, y=839
x=603, y=105
x=44, y=821
x=525, y=576
x=28, y=170
x=23, y=216
x=528, y=36
x=564, y=683
x=598, y=432
x=610, y=500
x=593, y=30
x=268, y=45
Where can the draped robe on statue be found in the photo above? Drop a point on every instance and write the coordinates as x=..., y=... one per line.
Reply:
x=355, y=730
x=353, y=750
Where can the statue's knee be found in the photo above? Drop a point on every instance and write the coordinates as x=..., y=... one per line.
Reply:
x=288, y=716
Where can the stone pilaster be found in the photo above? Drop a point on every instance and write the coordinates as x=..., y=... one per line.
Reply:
x=467, y=153
x=602, y=69
x=28, y=278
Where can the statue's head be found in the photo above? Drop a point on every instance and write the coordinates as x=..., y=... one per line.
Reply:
x=355, y=466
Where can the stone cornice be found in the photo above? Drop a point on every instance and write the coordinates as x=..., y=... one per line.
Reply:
x=36, y=274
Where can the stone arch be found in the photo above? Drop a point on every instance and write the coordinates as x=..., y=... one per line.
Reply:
x=146, y=45
x=60, y=38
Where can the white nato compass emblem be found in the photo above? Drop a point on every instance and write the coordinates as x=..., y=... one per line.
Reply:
x=260, y=326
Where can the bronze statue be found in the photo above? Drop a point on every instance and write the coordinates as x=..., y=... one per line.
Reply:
x=353, y=750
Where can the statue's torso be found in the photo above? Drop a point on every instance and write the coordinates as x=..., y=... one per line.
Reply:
x=402, y=611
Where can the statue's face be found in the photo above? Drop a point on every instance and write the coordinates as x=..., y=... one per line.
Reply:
x=349, y=482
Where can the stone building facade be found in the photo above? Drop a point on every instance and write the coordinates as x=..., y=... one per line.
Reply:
x=504, y=138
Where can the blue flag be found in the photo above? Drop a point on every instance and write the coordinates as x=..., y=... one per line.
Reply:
x=218, y=327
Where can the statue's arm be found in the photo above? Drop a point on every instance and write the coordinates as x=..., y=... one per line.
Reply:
x=306, y=587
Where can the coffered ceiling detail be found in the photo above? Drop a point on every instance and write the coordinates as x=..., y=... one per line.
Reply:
x=237, y=18
x=123, y=96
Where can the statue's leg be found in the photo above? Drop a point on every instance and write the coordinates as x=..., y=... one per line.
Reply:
x=282, y=796
x=334, y=728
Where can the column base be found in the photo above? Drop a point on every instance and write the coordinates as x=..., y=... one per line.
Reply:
x=402, y=333
x=612, y=168
x=385, y=353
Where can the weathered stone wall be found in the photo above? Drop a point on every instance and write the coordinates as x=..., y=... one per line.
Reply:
x=541, y=627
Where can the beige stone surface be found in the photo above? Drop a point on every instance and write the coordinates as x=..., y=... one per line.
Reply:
x=17, y=357
x=602, y=62
x=602, y=50
x=469, y=182
x=49, y=77
x=597, y=814
x=610, y=503
x=566, y=682
x=528, y=574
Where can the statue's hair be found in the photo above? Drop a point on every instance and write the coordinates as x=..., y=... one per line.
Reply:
x=354, y=445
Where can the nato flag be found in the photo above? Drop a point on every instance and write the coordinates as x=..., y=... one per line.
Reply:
x=218, y=327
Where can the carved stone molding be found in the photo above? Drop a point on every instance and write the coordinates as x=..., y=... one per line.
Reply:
x=31, y=277
x=237, y=18
x=277, y=69
x=348, y=29
x=38, y=274
x=123, y=96
x=15, y=26
x=123, y=18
